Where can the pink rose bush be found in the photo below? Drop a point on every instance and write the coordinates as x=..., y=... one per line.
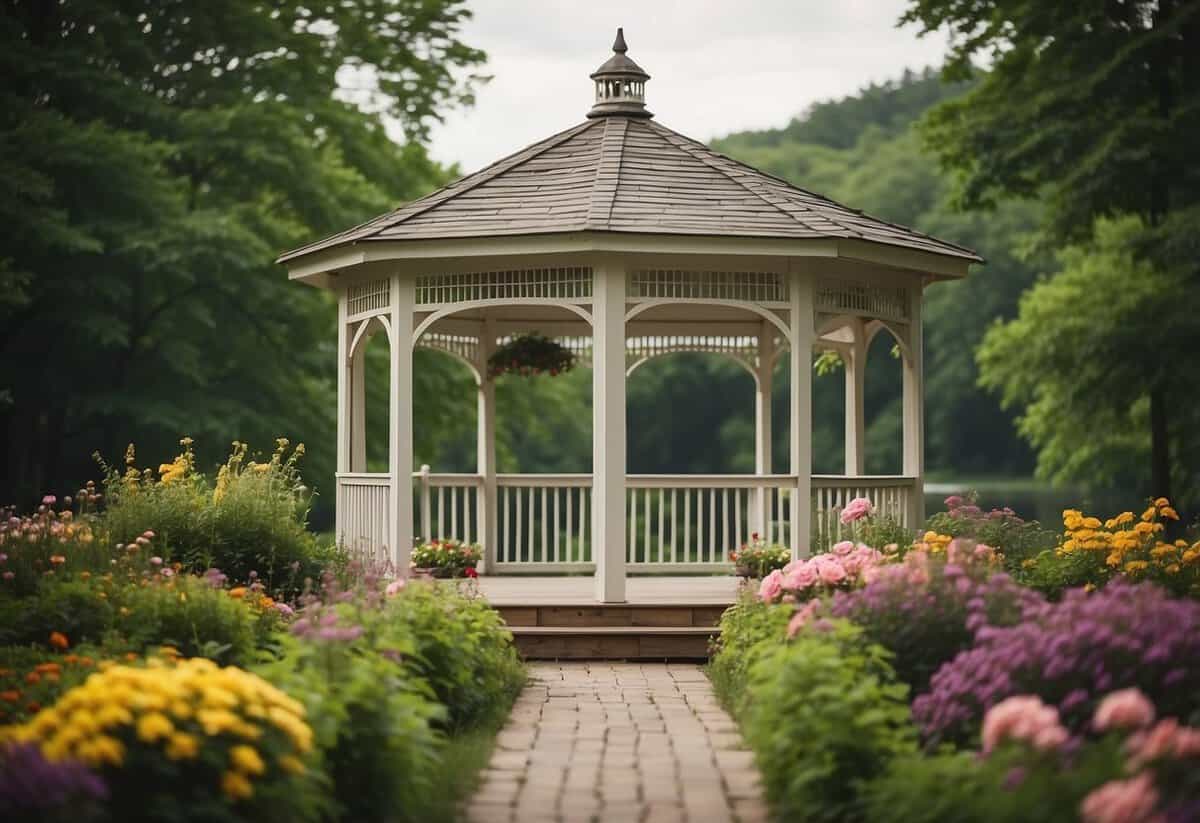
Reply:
x=845, y=567
x=855, y=510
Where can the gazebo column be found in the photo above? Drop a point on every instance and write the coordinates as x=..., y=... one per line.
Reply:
x=343, y=423
x=400, y=430
x=486, y=448
x=914, y=411
x=608, y=430
x=800, y=364
x=856, y=372
x=762, y=423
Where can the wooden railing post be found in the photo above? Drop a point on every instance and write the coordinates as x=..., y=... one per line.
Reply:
x=426, y=507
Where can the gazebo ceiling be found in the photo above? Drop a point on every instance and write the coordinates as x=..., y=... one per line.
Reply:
x=621, y=171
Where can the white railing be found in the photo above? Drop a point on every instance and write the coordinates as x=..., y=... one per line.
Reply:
x=447, y=506
x=694, y=522
x=891, y=497
x=363, y=509
x=544, y=522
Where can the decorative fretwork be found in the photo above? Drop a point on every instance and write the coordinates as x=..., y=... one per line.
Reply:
x=366, y=299
x=463, y=346
x=743, y=349
x=863, y=300
x=763, y=288
x=570, y=284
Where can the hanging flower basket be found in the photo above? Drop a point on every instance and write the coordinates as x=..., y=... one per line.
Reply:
x=530, y=354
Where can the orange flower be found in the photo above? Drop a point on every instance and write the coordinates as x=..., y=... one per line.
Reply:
x=59, y=640
x=85, y=661
x=130, y=656
x=10, y=696
x=33, y=707
x=238, y=593
x=33, y=678
x=43, y=668
x=57, y=559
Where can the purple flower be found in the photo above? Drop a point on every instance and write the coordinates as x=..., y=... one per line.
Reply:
x=30, y=784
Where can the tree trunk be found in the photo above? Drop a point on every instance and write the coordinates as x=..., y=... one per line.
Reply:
x=1160, y=452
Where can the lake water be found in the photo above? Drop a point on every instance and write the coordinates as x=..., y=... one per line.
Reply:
x=1031, y=500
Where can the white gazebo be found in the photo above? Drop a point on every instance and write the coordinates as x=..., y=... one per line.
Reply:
x=625, y=241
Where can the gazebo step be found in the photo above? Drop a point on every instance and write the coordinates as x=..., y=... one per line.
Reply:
x=613, y=642
x=625, y=615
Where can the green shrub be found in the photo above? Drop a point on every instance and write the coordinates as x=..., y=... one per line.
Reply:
x=373, y=722
x=458, y=644
x=824, y=715
x=252, y=520
x=73, y=607
x=748, y=628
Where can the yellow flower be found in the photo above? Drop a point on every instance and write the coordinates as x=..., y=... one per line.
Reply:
x=291, y=764
x=216, y=721
x=245, y=759
x=1169, y=513
x=1144, y=528
x=102, y=750
x=1148, y=514
x=1162, y=502
x=236, y=786
x=153, y=727
x=1135, y=566
x=182, y=746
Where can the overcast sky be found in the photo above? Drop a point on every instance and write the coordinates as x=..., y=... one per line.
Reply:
x=716, y=66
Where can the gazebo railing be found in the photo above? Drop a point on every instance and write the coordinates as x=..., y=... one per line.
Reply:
x=675, y=523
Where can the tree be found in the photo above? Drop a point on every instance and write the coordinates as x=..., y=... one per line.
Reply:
x=154, y=158
x=1096, y=363
x=1093, y=108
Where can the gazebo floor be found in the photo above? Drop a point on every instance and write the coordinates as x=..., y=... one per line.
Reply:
x=664, y=618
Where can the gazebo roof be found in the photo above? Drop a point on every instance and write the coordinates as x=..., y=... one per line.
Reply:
x=624, y=172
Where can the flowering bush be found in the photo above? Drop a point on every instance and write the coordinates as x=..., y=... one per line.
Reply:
x=252, y=519
x=182, y=741
x=1012, y=537
x=49, y=544
x=1127, y=545
x=927, y=608
x=29, y=684
x=824, y=716
x=758, y=558
x=1131, y=769
x=451, y=556
x=1069, y=654
x=34, y=788
x=842, y=568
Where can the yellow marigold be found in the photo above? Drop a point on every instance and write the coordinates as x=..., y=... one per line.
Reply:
x=1169, y=513
x=102, y=750
x=1148, y=514
x=1144, y=528
x=1162, y=502
x=236, y=786
x=216, y=721
x=291, y=764
x=246, y=760
x=1173, y=568
x=153, y=727
x=182, y=746
x=1135, y=566
x=238, y=592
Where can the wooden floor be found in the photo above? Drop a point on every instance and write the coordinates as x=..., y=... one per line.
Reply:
x=663, y=618
x=581, y=591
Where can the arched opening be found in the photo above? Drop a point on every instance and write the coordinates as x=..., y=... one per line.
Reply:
x=369, y=406
x=883, y=404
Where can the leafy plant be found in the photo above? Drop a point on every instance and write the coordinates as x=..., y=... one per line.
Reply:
x=530, y=354
x=748, y=628
x=759, y=558
x=449, y=555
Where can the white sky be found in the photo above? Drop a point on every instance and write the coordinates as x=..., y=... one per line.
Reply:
x=716, y=66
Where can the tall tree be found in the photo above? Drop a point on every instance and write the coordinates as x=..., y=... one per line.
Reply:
x=1092, y=107
x=154, y=158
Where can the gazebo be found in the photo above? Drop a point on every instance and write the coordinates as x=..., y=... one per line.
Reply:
x=625, y=241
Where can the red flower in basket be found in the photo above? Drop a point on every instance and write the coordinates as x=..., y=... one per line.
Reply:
x=470, y=572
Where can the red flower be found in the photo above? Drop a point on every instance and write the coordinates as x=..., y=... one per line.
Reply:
x=470, y=572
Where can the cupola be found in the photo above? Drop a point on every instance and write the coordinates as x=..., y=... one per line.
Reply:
x=620, y=85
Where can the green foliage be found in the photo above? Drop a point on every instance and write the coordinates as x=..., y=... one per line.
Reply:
x=1082, y=357
x=824, y=717
x=137, y=292
x=459, y=645
x=749, y=628
x=1015, y=538
x=1051, y=572
x=252, y=522
x=72, y=607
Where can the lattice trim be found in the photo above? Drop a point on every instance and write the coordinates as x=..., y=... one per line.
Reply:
x=744, y=286
x=460, y=345
x=863, y=300
x=571, y=284
x=741, y=348
x=370, y=298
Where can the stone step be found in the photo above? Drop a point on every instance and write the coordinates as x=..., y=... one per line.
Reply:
x=613, y=642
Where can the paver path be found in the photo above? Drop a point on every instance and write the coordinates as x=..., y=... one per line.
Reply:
x=617, y=742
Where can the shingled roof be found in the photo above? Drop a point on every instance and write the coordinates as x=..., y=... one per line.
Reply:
x=624, y=172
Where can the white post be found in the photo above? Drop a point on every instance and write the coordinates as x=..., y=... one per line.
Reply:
x=426, y=506
x=343, y=423
x=400, y=451
x=914, y=412
x=485, y=449
x=762, y=423
x=608, y=431
x=800, y=364
x=856, y=373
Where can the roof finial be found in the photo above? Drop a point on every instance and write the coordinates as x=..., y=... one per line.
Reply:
x=620, y=84
x=619, y=44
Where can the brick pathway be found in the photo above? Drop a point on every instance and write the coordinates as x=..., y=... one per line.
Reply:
x=618, y=742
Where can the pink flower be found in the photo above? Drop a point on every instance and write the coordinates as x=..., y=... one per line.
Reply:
x=802, y=616
x=395, y=587
x=802, y=576
x=9, y=575
x=49, y=500
x=771, y=587
x=1026, y=718
x=1124, y=709
x=155, y=561
x=843, y=548
x=1121, y=801
x=856, y=509
x=831, y=571
x=168, y=572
